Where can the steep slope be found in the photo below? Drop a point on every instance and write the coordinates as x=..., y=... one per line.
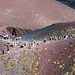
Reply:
x=58, y=29
x=28, y=14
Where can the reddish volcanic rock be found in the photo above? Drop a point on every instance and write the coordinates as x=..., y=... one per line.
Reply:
x=13, y=30
x=56, y=57
x=28, y=14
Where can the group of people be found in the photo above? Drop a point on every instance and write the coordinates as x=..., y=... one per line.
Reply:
x=54, y=38
x=4, y=36
x=58, y=38
x=32, y=43
x=29, y=45
x=7, y=37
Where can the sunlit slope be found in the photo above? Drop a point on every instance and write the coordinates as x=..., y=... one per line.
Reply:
x=33, y=14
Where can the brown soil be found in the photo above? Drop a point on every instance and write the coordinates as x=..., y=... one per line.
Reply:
x=56, y=58
x=2, y=46
x=56, y=53
x=36, y=14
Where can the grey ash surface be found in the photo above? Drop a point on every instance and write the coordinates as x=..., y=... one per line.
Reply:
x=42, y=33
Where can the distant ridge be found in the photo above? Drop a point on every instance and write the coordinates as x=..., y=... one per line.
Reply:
x=70, y=3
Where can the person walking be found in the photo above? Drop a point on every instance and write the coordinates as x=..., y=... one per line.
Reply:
x=8, y=48
x=44, y=40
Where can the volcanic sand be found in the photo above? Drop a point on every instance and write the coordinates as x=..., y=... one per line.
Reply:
x=36, y=14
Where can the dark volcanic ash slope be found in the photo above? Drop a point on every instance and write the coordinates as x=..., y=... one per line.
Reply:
x=59, y=29
x=70, y=3
x=28, y=14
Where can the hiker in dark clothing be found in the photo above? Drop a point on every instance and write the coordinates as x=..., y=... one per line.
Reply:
x=66, y=37
x=25, y=44
x=50, y=38
x=8, y=48
x=32, y=44
x=17, y=38
x=3, y=52
x=34, y=41
x=72, y=36
x=21, y=46
x=44, y=40
x=59, y=38
x=4, y=36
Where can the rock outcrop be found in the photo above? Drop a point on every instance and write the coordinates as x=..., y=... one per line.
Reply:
x=17, y=31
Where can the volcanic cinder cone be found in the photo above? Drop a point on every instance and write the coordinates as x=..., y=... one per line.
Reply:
x=33, y=14
x=57, y=29
x=55, y=56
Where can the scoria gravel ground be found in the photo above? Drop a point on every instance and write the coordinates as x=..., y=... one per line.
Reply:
x=51, y=58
